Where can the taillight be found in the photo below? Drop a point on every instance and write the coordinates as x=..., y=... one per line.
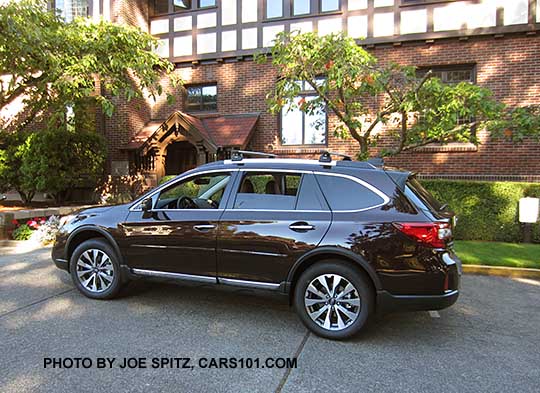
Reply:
x=434, y=234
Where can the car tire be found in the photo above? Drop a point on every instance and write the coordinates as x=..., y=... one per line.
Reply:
x=95, y=269
x=334, y=299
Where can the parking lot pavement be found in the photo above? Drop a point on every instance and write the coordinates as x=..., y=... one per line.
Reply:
x=487, y=342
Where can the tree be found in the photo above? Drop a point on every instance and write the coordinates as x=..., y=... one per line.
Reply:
x=48, y=64
x=49, y=67
x=363, y=94
x=10, y=164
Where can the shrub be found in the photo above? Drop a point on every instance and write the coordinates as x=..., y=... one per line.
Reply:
x=166, y=178
x=23, y=232
x=486, y=210
x=56, y=161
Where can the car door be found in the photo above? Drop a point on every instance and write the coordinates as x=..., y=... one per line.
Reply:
x=179, y=234
x=271, y=219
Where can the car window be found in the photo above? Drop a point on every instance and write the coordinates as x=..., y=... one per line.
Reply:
x=346, y=194
x=268, y=191
x=310, y=196
x=199, y=192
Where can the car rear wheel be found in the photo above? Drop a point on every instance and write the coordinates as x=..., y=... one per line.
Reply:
x=333, y=299
x=95, y=269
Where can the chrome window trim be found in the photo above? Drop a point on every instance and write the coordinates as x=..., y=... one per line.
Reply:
x=175, y=181
x=349, y=177
x=363, y=183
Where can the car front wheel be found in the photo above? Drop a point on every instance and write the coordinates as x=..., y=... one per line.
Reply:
x=95, y=269
x=333, y=299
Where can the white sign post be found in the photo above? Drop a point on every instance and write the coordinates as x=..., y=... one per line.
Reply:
x=528, y=215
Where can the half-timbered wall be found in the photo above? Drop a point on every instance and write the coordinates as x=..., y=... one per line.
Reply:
x=241, y=27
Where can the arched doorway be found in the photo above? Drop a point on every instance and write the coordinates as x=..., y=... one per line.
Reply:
x=181, y=157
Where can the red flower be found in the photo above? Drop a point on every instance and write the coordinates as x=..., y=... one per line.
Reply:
x=15, y=222
x=301, y=102
x=329, y=64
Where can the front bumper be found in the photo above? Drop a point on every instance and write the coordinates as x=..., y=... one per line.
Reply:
x=58, y=253
x=61, y=264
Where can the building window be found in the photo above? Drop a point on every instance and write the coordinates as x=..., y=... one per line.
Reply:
x=71, y=9
x=299, y=128
x=207, y=3
x=201, y=98
x=274, y=9
x=165, y=6
x=451, y=75
x=181, y=5
x=301, y=7
x=329, y=5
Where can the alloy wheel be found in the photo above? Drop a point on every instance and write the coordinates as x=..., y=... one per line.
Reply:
x=332, y=302
x=95, y=270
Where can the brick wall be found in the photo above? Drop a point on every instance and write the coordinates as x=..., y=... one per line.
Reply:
x=509, y=66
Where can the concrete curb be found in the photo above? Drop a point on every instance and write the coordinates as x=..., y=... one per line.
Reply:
x=501, y=271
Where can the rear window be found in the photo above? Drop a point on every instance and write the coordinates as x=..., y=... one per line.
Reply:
x=421, y=197
x=346, y=194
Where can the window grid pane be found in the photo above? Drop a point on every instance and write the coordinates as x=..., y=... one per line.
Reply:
x=301, y=7
x=329, y=5
x=274, y=8
x=207, y=3
x=180, y=5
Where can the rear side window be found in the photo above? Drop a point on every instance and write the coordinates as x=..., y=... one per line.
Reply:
x=346, y=194
x=310, y=196
x=268, y=191
x=420, y=196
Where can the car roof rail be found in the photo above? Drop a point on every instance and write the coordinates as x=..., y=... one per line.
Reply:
x=238, y=155
x=326, y=156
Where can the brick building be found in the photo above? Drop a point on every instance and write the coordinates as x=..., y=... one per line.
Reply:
x=493, y=43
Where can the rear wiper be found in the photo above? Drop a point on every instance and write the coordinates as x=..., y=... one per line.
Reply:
x=443, y=207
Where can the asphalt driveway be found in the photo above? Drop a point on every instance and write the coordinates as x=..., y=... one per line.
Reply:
x=487, y=342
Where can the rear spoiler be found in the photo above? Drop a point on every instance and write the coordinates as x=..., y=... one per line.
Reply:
x=400, y=177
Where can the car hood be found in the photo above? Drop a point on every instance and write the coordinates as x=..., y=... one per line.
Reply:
x=100, y=210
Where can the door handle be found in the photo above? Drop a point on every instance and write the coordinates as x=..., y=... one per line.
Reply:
x=204, y=227
x=301, y=227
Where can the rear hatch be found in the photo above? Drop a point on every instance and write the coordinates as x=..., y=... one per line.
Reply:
x=434, y=210
x=426, y=202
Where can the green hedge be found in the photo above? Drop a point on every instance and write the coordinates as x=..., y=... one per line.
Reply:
x=486, y=210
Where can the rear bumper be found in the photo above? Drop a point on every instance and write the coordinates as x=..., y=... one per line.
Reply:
x=387, y=302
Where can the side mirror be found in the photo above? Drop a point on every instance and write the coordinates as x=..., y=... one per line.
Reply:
x=146, y=205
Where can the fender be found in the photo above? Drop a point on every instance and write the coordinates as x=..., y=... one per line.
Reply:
x=338, y=251
x=101, y=231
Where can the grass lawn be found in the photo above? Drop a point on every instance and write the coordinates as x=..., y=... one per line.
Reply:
x=498, y=254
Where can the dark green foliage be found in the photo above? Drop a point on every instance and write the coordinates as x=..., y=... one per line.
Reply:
x=486, y=210
x=56, y=161
x=166, y=178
